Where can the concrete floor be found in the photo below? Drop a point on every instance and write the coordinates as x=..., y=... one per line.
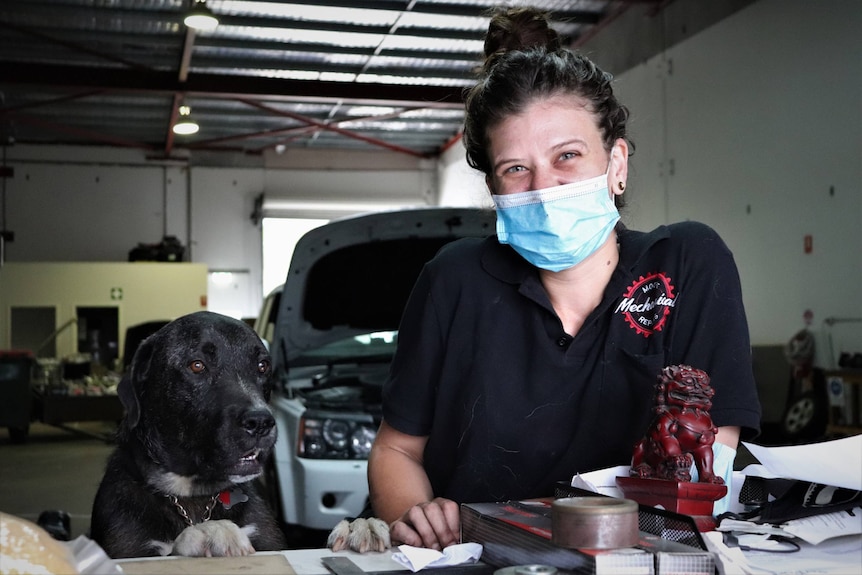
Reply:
x=55, y=469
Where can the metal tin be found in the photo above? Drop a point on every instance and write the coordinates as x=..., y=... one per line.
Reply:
x=527, y=570
x=594, y=522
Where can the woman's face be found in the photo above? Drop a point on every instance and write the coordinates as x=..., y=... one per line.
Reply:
x=553, y=141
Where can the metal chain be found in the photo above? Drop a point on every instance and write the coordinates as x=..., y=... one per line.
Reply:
x=208, y=512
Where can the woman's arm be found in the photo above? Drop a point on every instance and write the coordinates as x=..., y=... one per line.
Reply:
x=401, y=493
x=729, y=436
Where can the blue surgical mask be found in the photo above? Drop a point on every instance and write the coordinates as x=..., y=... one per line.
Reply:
x=557, y=228
x=723, y=457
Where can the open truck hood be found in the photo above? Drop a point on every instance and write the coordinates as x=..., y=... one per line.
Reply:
x=353, y=276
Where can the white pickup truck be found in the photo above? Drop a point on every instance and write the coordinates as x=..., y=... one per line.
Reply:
x=332, y=329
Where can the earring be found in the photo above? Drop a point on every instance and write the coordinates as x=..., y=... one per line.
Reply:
x=622, y=186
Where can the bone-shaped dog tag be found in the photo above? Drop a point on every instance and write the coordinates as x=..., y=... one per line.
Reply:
x=230, y=498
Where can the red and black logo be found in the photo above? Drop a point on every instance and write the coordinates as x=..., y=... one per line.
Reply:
x=647, y=303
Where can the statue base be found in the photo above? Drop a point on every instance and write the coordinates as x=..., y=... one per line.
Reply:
x=686, y=497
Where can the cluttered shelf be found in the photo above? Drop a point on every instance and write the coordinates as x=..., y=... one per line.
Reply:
x=54, y=392
x=68, y=395
x=58, y=409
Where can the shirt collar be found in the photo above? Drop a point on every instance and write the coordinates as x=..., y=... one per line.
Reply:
x=634, y=245
x=504, y=263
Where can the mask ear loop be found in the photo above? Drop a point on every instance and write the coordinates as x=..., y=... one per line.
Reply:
x=621, y=184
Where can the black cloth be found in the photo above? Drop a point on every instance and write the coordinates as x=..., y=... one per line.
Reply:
x=512, y=404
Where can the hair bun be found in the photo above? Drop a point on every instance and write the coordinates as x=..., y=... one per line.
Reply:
x=519, y=29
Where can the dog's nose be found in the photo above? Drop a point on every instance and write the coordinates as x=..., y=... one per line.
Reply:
x=257, y=422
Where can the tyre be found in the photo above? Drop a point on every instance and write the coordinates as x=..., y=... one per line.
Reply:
x=805, y=418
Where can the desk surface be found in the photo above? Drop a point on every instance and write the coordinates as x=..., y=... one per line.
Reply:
x=834, y=559
x=298, y=561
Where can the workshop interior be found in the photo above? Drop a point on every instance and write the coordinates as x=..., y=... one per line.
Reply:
x=166, y=157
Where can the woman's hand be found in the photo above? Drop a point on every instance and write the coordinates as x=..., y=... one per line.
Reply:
x=397, y=481
x=434, y=524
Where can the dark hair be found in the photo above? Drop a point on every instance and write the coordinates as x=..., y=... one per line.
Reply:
x=524, y=60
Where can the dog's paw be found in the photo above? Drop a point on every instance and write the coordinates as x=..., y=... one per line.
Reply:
x=360, y=535
x=220, y=538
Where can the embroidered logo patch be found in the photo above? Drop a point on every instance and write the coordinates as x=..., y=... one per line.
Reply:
x=647, y=303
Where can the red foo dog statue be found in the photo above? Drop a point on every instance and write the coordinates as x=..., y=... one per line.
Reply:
x=682, y=432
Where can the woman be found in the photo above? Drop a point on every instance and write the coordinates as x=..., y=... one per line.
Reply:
x=529, y=357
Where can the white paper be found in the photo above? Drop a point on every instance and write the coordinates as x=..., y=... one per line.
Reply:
x=91, y=559
x=307, y=561
x=729, y=560
x=418, y=558
x=837, y=462
x=819, y=528
x=740, y=526
x=602, y=481
x=839, y=556
x=814, y=530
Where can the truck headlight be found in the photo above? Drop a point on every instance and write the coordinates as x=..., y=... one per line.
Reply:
x=324, y=437
x=361, y=440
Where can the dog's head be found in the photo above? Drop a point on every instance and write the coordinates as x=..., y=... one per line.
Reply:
x=196, y=400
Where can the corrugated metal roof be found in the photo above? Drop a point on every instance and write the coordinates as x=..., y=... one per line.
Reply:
x=313, y=74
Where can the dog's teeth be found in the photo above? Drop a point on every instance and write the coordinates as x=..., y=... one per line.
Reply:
x=251, y=456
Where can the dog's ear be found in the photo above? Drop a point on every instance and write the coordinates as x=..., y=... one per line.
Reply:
x=126, y=392
x=130, y=387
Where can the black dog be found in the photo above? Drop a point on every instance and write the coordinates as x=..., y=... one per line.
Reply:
x=196, y=432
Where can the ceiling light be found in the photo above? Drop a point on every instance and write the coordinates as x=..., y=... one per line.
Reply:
x=185, y=126
x=370, y=111
x=200, y=17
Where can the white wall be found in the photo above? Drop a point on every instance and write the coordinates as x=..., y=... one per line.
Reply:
x=139, y=291
x=224, y=236
x=461, y=185
x=68, y=204
x=96, y=204
x=754, y=126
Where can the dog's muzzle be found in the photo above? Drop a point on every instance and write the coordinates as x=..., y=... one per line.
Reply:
x=257, y=422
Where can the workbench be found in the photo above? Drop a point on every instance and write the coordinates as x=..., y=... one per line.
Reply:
x=291, y=562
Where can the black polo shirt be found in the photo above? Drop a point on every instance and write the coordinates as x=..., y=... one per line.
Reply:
x=512, y=404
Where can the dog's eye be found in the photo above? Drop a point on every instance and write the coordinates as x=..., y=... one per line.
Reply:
x=263, y=366
x=197, y=366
